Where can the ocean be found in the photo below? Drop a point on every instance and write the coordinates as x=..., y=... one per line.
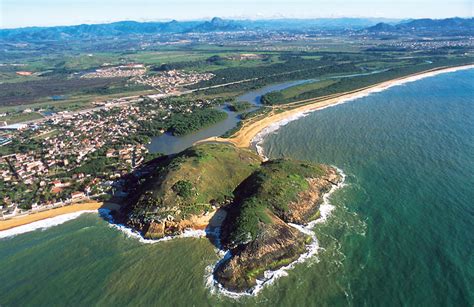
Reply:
x=400, y=232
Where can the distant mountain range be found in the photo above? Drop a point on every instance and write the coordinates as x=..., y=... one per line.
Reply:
x=453, y=26
x=127, y=28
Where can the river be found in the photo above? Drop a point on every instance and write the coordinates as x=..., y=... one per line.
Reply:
x=400, y=233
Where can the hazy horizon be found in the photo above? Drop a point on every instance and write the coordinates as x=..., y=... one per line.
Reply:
x=224, y=18
x=45, y=13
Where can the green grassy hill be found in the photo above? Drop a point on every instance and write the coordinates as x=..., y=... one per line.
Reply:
x=256, y=228
x=257, y=200
x=266, y=193
x=195, y=179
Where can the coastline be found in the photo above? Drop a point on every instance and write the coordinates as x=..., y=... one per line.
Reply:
x=331, y=268
x=252, y=133
x=53, y=213
x=248, y=136
x=270, y=276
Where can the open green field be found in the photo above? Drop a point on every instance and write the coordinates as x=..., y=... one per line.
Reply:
x=21, y=117
x=314, y=57
x=163, y=57
x=300, y=89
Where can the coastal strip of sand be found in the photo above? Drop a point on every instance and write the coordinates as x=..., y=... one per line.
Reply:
x=245, y=137
x=51, y=213
x=249, y=131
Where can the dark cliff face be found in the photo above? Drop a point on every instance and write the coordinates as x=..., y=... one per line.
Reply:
x=187, y=187
x=275, y=243
x=258, y=199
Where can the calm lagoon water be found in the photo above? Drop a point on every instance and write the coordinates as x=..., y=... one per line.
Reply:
x=400, y=234
x=169, y=144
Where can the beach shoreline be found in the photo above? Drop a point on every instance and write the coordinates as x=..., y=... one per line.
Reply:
x=270, y=276
x=26, y=219
x=250, y=134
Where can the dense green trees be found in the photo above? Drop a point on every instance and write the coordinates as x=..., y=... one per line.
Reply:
x=272, y=98
x=96, y=166
x=240, y=106
x=183, y=188
x=184, y=123
x=293, y=68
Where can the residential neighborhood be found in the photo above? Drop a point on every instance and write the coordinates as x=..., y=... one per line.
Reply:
x=76, y=156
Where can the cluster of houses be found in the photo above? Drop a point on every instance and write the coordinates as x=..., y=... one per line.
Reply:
x=430, y=44
x=76, y=137
x=122, y=71
x=24, y=167
x=168, y=82
x=62, y=147
x=133, y=155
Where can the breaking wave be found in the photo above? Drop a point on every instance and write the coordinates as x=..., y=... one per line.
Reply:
x=259, y=138
x=270, y=276
x=43, y=224
x=131, y=233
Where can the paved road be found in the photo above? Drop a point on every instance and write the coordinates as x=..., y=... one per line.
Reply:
x=39, y=120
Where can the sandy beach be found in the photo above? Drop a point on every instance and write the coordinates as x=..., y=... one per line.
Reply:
x=243, y=138
x=38, y=216
x=249, y=131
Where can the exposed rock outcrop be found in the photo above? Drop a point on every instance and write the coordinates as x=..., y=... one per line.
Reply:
x=213, y=184
x=277, y=243
x=306, y=208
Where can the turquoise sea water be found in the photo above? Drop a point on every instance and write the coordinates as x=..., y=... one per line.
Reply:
x=401, y=232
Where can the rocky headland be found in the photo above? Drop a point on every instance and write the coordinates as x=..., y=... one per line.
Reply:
x=252, y=202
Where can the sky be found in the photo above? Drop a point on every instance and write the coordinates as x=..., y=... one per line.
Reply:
x=22, y=13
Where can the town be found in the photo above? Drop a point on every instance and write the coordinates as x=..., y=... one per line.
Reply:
x=167, y=82
x=72, y=157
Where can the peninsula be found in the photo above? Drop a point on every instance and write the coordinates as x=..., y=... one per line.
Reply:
x=250, y=201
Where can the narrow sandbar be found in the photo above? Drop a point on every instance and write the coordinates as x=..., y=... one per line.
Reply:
x=245, y=136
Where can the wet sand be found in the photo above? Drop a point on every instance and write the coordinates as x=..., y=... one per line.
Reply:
x=245, y=136
x=41, y=215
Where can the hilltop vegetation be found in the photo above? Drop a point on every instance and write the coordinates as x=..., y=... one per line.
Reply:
x=190, y=183
x=268, y=192
x=256, y=229
x=257, y=200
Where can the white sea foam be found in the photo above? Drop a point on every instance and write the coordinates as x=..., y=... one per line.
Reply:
x=326, y=207
x=43, y=224
x=269, y=277
x=189, y=233
x=131, y=233
x=259, y=138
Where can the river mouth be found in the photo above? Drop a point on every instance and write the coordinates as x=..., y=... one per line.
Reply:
x=170, y=144
x=399, y=227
